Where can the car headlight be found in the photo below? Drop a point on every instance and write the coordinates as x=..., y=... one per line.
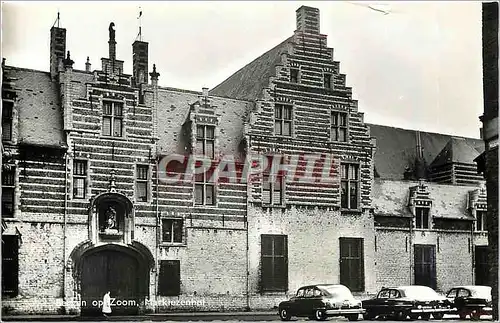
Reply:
x=419, y=307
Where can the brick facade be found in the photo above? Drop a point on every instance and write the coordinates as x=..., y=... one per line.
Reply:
x=81, y=138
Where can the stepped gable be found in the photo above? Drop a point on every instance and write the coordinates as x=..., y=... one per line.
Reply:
x=397, y=149
x=248, y=82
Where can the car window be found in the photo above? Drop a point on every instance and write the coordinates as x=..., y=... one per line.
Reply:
x=452, y=293
x=300, y=293
x=463, y=292
x=317, y=292
x=394, y=293
x=309, y=292
x=384, y=293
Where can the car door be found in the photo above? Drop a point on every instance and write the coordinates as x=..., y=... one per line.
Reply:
x=381, y=303
x=462, y=298
x=297, y=302
x=307, y=305
x=451, y=296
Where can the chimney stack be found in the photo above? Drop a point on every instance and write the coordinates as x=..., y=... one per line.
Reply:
x=140, y=62
x=308, y=20
x=57, y=49
x=87, y=65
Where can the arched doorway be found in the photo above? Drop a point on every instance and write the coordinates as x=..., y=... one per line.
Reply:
x=117, y=269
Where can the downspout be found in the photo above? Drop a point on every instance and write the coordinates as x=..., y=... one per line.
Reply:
x=64, y=227
x=157, y=230
x=247, y=243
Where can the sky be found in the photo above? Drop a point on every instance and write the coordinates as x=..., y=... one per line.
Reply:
x=417, y=65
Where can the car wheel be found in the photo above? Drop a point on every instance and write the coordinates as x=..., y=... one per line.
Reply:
x=285, y=315
x=320, y=315
x=462, y=315
x=426, y=316
x=475, y=315
x=438, y=316
x=414, y=316
x=353, y=317
x=399, y=316
x=368, y=316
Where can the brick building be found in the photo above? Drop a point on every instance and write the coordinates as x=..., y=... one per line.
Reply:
x=86, y=209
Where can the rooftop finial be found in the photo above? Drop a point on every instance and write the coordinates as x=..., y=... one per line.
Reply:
x=139, y=35
x=111, y=32
x=58, y=19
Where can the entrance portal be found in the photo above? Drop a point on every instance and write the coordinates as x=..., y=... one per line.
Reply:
x=114, y=269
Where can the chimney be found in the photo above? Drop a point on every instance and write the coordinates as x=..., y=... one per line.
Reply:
x=154, y=76
x=87, y=65
x=112, y=42
x=68, y=62
x=57, y=48
x=308, y=20
x=204, y=91
x=140, y=62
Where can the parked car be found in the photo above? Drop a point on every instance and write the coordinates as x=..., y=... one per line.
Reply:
x=470, y=300
x=320, y=302
x=406, y=301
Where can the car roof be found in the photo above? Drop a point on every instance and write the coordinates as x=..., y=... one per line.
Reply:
x=471, y=286
x=322, y=285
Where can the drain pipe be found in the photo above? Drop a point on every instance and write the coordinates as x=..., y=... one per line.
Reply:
x=157, y=230
x=64, y=227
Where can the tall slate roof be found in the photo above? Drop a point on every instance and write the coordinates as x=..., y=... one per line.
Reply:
x=397, y=149
x=39, y=108
x=248, y=82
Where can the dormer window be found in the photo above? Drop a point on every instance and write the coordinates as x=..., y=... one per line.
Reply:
x=294, y=75
x=480, y=224
x=205, y=140
x=422, y=218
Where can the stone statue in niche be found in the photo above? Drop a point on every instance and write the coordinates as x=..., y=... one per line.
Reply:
x=110, y=217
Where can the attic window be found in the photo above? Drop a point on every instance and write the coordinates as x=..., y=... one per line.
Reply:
x=294, y=75
x=327, y=80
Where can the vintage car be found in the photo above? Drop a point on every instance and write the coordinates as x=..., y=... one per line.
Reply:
x=470, y=300
x=320, y=302
x=406, y=301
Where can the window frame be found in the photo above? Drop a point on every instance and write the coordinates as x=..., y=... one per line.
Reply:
x=350, y=181
x=204, y=139
x=294, y=78
x=272, y=188
x=274, y=286
x=7, y=118
x=145, y=181
x=480, y=214
x=425, y=225
x=336, y=126
x=330, y=81
x=113, y=117
x=205, y=185
x=280, y=118
x=80, y=176
x=171, y=228
x=9, y=186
